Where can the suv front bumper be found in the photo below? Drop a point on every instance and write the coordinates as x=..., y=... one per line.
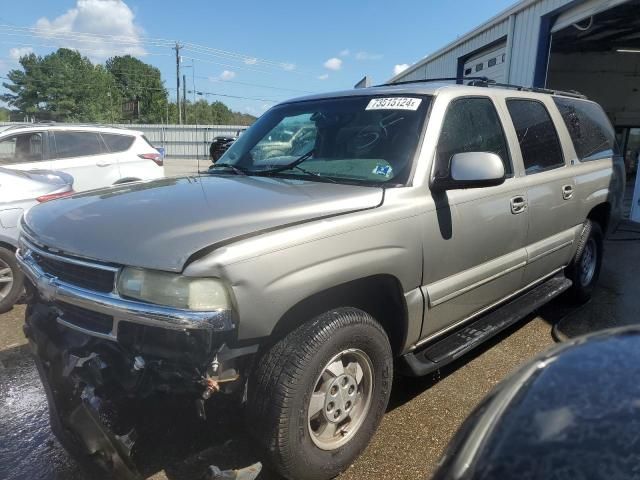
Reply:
x=99, y=380
x=51, y=289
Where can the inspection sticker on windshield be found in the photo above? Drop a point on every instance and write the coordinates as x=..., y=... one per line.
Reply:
x=394, y=103
x=384, y=170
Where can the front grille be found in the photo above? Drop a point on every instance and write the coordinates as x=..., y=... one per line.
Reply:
x=79, y=275
x=83, y=318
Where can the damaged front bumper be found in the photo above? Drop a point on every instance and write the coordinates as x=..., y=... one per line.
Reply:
x=101, y=358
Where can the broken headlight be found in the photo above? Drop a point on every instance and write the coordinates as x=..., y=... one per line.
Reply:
x=173, y=290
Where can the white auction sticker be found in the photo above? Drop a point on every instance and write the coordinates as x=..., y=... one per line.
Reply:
x=394, y=103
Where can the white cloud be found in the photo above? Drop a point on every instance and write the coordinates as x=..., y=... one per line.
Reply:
x=368, y=56
x=345, y=52
x=227, y=75
x=109, y=23
x=19, y=52
x=324, y=76
x=250, y=61
x=400, y=68
x=333, y=64
x=288, y=66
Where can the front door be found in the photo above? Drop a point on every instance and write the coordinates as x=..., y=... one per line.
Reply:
x=25, y=151
x=474, y=256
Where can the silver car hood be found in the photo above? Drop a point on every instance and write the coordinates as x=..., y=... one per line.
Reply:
x=160, y=224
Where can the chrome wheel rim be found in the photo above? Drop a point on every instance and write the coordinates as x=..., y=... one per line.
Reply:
x=588, y=262
x=6, y=279
x=341, y=399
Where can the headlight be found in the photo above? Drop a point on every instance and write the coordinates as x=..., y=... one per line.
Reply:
x=173, y=289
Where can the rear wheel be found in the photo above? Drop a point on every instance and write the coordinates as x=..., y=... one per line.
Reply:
x=317, y=396
x=584, y=269
x=11, y=280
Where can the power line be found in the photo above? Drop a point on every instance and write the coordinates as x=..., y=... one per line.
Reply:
x=151, y=41
x=199, y=92
x=124, y=52
x=113, y=70
x=248, y=84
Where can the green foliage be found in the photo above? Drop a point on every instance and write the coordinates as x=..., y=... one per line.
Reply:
x=65, y=86
x=137, y=80
x=5, y=114
x=205, y=113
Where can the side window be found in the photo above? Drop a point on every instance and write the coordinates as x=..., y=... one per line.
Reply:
x=117, y=143
x=471, y=125
x=590, y=130
x=24, y=148
x=77, y=144
x=537, y=135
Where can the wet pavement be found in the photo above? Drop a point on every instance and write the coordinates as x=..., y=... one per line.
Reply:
x=423, y=414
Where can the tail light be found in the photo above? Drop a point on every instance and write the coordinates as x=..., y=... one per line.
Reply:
x=156, y=157
x=53, y=196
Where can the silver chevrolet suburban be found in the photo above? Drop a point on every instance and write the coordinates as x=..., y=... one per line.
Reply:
x=416, y=221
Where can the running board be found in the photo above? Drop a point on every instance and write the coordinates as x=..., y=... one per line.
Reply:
x=435, y=355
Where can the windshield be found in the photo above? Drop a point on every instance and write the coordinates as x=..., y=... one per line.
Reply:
x=363, y=139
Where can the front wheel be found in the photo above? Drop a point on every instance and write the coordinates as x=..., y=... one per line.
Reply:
x=317, y=396
x=11, y=280
x=584, y=269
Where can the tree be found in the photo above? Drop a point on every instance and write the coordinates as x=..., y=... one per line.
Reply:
x=63, y=86
x=137, y=80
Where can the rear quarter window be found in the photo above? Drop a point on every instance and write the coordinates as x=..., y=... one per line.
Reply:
x=591, y=132
x=117, y=143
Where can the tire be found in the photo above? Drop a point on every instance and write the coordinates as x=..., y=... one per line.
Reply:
x=289, y=375
x=9, y=269
x=584, y=269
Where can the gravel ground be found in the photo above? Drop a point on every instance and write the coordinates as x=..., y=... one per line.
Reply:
x=423, y=414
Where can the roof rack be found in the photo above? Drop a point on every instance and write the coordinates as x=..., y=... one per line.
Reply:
x=487, y=82
x=442, y=79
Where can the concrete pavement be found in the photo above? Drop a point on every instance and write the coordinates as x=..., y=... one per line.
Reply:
x=422, y=417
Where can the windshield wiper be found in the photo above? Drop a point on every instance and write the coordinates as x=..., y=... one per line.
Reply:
x=282, y=168
x=233, y=168
x=315, y=174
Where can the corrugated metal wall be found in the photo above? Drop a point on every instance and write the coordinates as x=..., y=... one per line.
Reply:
x=524, y=46
x=184, y=141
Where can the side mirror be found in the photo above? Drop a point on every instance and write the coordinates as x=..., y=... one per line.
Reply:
x=472, y=170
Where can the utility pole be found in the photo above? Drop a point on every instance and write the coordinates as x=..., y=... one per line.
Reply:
x=184, y=96
x=177, y=49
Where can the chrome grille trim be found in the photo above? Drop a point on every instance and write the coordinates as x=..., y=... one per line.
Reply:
x=52, y=289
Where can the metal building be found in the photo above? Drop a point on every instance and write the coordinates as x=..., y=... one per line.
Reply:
x=592, y=46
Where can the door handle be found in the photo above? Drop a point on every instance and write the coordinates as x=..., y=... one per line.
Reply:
x=567, y=192
x=102, y=163
x=518, y=205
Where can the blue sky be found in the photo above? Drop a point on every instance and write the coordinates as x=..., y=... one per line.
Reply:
x=241, y=48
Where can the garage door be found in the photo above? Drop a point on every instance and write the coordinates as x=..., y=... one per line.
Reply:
x=488, y=63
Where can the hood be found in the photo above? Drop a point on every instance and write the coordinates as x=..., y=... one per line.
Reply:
x=160, y=224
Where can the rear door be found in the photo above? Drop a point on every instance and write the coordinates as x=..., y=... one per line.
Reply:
x=551, y=188
x=83, y=155
x=475, y=256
